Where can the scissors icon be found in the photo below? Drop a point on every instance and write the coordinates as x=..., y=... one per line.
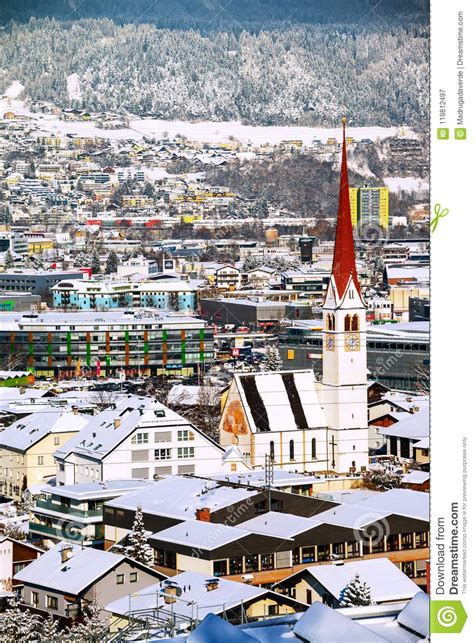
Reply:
x=438, y=214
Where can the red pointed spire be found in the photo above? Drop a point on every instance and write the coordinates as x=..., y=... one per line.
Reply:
x=343, y=263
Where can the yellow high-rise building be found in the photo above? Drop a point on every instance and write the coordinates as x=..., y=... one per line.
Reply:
x=369, y=205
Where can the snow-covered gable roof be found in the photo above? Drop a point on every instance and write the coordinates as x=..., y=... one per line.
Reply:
x=274, y=389
x=82, y=569
x=385, y=580
x=105, y=431
x=24, y=433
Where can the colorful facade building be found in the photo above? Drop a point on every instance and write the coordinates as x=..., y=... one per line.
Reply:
x=106, y=295
x=106, y=344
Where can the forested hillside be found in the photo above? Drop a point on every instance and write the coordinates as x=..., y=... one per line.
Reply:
x=235, y=15
x=375, y=74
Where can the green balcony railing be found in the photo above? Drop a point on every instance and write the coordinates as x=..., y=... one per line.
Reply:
x=69, y=511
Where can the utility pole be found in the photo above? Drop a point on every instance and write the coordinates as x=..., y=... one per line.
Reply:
x=333, y=444
x=269, y=477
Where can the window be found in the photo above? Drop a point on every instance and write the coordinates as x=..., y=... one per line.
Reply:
x=421, y=539
x=140, y=438
x=235, y=565
x=313, y=449
x=272, y=450
x=266, y=561
x=52, y=602
x=185, y=452
x=56, y=441
x=323, y=552
x=251, y=563
x=220, y=568
x=40, y=459
x=347, y=322
x=355, y=322
x=273, y=610
x=34, y=598
x=133, y=577
x=183, y=436
x=120, y=579
x=292, y=450
x=407, y=541
x=162, y=454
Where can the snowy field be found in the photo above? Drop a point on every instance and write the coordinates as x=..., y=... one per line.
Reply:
x=204, y=132
x=14, y=90
x=406, y=184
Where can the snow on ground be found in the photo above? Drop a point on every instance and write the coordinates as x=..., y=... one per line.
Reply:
x=406, y=184
x=73, y=87
x=209, y=132
x=14, y=90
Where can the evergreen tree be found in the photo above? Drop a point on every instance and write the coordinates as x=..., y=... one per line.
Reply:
x=139, y=549
x=17, y=624
x=272, y=361
x=8, y=260
x=356, y=593
x=49, y=632
x=95, y=263
x=92, y=628
x=111, y=263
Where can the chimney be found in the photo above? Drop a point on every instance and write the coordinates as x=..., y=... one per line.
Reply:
x=75, y=410
x=117, y=423
x=203, y=514
x=66, y=553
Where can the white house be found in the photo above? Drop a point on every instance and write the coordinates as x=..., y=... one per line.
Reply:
x=139, y=438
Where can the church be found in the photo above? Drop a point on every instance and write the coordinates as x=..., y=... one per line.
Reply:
x=301, y=424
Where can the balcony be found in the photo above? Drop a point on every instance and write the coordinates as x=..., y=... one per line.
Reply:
x=69, y=531
x=68, y=511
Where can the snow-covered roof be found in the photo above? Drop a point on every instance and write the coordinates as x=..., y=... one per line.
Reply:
x=416, y=477
x=416, y=615
x=94, y=490
x=106, y=430
x=413, y=426
x=194, y=589
x=82, y=569
x=320, y=620
x=27, y=431
x=275, y=398
x=204, y=535
x=401, y=502
x=274, y=524
x=179, y=497
x=385, y=580
x=256, y=477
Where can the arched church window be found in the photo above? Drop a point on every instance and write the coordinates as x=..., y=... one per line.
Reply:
x=347, y=322
x=292, y=450
x=355, y=322
x=330, y=321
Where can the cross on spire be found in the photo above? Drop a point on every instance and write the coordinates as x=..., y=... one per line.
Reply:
x=343, y=264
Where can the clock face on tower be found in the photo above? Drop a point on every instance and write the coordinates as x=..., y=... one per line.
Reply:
x=330, y=343
x=352, y=342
